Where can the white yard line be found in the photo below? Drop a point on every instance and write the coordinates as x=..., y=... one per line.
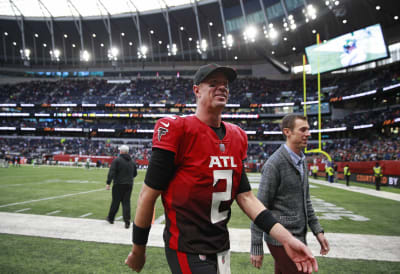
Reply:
x=51, y=198
x=53, y=212
x=118, y=218
x=85, y=215
x=22, y=210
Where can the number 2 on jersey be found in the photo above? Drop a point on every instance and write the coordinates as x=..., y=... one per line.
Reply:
x=218, y=197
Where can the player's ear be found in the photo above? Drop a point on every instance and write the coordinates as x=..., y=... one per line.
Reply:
x=196, y=90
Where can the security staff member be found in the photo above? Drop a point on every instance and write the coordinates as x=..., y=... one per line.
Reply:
x=122, y=171
x=314, y=170
x=346, y=172
x=330, y=172
x=378, y=174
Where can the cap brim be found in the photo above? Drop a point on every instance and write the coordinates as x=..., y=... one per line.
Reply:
x=230, y=73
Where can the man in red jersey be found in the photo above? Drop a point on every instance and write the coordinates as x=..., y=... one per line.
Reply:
x=197, y=168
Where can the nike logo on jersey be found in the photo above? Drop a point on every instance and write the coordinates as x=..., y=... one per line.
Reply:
x=165, y=124
x=161, y=132
x=222, y=161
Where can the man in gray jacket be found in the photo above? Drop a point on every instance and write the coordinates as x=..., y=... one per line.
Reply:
x=122, y=171
x=284, y=190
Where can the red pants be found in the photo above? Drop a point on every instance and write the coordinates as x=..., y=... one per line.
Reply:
x=283, y=264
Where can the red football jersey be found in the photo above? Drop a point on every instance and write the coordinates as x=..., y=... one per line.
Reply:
x=208, y=172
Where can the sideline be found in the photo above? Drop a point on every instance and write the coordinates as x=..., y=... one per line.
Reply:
x=255, y=180
x=51, y=198
x=346, y=246
x=363, y=190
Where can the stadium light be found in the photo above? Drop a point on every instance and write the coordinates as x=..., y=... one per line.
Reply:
x=310, y=13
x=250, y=33
x=172, y=50
x=142, y=52
x=25, y=54
x=229, y=41
x=112, y=54
x=55, y=55
x=272, y=33
x=85, y=56
x=201, y=47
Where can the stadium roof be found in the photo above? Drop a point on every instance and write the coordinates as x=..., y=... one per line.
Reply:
x=181, y=22
x=87, y=8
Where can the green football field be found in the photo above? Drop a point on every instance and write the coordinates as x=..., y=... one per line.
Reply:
x=80, y=193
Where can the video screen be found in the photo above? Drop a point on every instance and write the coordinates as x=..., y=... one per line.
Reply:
x=354, y=48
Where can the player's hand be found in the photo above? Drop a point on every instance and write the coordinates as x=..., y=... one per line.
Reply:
x=301, y=255
x=324, y=243
x=136, y=258
x=256, y=260
x=107, y=187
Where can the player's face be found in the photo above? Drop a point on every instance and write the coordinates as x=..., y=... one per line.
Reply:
x=298, y=137
x=213, y=91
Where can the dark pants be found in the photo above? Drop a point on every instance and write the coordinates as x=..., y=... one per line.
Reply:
x=315, y=175
x=283, y=264
x=330, y=178
x=378, y=182
x=347, y=179
x=121, y=193
x=186, y=263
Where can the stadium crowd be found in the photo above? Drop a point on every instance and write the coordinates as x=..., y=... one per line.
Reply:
x=340, y=150
x=179, y=90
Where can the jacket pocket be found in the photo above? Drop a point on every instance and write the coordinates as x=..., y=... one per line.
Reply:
x=288, y=220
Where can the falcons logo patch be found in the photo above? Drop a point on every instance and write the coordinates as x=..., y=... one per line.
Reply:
x=161, y=131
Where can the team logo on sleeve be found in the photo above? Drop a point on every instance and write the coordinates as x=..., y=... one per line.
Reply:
x=161, y=131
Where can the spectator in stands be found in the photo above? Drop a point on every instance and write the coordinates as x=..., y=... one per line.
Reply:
x=284, y=188
x=122, y=172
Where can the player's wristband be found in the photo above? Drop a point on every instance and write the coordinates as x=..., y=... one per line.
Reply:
x=265, y=220
x=140, y=235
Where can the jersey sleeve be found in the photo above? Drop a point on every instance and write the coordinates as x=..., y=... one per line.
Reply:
x=167, y=133
x=244, y=185
x=161, y=169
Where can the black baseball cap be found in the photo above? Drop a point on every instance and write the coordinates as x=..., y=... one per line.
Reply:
x=206, y=70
